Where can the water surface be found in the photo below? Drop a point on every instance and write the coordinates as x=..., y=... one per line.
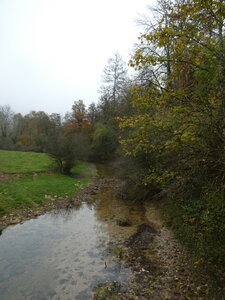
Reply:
x=64, y=254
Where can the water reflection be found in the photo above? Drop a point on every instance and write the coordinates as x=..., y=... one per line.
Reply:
x=62, y=254
x=114, y=212
x=65, y=253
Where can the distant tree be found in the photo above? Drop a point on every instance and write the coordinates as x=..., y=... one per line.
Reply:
x=69, y=140
x=114, y=77
x=18, y=126
x=92, y=113
x=79, y=107
x=6, y=117
x=6, y=126
x=56, y=119
x=66, y=149
x=104, y=142
x=36, y=131
x=78, y=119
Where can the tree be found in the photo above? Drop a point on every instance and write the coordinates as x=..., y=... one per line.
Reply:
x=176, y=131
x=18, y=126
x=92, y=113
x=182, y=113
x=104, y=142
x=114, y=78
x=67, y=149
x=56, y=119
x=36, y=131
x=69, y=141
x=6, y=126
x=6, y=116
x=78, y=119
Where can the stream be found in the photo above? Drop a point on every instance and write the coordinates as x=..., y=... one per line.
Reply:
x=65, y=253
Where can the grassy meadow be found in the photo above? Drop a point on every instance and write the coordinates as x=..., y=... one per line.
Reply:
x=12, y=162
x=27, y=180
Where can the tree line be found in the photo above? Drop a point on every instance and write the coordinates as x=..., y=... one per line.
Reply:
x=164, y=125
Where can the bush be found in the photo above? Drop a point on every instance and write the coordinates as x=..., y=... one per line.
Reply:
x=200, y=224
x=104, y=142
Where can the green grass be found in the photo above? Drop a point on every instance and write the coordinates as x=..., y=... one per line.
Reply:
x=24, y=162
x=83, y=168
x=38, y=185
x=27, y=192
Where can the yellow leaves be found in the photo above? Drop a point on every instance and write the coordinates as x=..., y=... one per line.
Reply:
x=214, y=102
x=161, y=177
x=165, y=36
x=188, y=137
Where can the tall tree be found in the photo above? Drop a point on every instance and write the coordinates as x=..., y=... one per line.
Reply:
x=185, y=112
x=36, y=131
x=78, y=119
x=114, y=77
x=6, y=118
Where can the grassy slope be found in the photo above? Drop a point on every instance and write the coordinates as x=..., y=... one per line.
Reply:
x=31, y=190
x=24, y=162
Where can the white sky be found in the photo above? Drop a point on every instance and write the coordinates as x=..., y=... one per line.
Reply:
x=52, y=52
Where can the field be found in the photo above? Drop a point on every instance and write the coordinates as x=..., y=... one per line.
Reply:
x=27, y=180
x=24, y=162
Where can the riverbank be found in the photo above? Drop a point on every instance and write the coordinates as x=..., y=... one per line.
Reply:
x=139, y=241
x=161, y=267
x=30, y=185
x=56, y=203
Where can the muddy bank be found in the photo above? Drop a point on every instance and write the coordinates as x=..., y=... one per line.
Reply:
x=161, y=267
x=6, y=178
x=154, y=274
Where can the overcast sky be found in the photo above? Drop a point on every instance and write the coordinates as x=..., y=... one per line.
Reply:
x=52, y=52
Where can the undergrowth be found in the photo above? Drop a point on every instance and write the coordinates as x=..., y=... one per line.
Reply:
x=199, y=223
